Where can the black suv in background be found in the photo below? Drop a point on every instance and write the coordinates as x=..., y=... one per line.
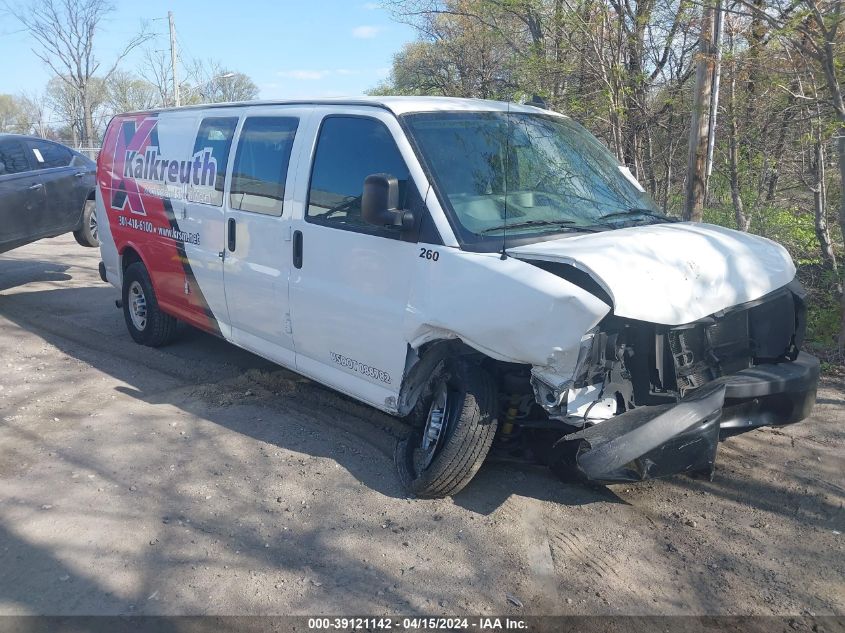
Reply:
x=46, y=189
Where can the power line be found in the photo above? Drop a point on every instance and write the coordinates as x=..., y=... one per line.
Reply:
x=172, y=25
x=182, y=47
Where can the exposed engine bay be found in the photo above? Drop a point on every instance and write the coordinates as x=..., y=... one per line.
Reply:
x=648, y=400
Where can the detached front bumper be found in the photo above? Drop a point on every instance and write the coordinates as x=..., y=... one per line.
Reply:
x=770, y=395
x=656, y=441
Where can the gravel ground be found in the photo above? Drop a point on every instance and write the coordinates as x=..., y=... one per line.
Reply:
x=200, y=479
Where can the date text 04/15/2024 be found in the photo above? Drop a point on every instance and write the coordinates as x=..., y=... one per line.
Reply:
x=419, y=623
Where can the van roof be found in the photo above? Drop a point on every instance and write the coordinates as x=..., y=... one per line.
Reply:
x=397, y=105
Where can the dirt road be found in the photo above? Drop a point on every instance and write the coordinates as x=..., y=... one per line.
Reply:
x=201, y=479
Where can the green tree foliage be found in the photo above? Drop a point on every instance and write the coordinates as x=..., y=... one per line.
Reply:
x=126, y=92
x=15, y=115
x=211, y=82
x=625, y=69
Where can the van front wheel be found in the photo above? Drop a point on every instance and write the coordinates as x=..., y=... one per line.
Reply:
x=146, y=323
x=454, y=428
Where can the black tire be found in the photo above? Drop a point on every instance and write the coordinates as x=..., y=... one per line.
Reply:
x=156, y=328
x=87, y=234
x=466, y=435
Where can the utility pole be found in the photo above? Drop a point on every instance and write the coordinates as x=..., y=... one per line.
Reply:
x=714, y=100
x=700, y=125
x=176, y=100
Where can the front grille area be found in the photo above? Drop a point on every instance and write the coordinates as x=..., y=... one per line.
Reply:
x=650, y=364
x=688, y=351
x=761, y=331
x=772, y=325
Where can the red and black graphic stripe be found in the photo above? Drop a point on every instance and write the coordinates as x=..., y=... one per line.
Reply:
x=195, y=295
x=176, y=285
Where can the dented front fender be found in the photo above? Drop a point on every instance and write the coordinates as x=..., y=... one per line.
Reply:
x=505, y=308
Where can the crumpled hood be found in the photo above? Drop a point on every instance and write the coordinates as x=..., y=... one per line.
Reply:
x=672, y=273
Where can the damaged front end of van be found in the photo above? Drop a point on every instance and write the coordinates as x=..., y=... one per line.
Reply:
x=651, y=400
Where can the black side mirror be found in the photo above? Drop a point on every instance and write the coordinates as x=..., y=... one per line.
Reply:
x=380, y=200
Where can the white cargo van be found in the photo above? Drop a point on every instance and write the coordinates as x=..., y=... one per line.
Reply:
x=487, y=270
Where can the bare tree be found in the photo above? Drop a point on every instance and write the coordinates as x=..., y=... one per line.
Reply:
x=157, y=70
x=65, y=102
x=700, y=128
x=617, y=64
x=626, y=69
x=35, y=107
x=213, y=83
x=12, y=114
x=743, y=218
x=816, y=30
x=64, y=31
x=127, y=92
x=231, y=86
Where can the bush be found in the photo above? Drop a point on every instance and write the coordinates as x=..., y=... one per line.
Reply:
x=824, y=311
x=797, y=234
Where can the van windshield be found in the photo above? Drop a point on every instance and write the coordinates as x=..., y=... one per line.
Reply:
x=526, y=174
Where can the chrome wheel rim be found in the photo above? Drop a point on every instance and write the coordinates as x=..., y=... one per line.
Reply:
x=137, y=306
x=435, y=426
x=92, y=226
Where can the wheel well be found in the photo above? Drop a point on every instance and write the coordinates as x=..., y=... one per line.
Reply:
x=129, y=257
x=455, y=346
x=509, y=377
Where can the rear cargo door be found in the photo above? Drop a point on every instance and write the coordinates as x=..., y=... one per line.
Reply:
x=199, y=218
x=161, y=178
x=257, y=250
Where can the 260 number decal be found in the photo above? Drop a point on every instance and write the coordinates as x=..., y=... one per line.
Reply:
x=427, y=253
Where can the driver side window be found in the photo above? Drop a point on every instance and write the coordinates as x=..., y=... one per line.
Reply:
x=348, y=150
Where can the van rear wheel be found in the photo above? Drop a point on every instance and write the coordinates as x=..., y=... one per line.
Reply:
x=146, y=323
x=454, y=428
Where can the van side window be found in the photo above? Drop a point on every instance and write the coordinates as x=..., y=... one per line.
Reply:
x=215, y=134
x=12, y=158
x=350, y=149
x=46, y=155
x=261, y=164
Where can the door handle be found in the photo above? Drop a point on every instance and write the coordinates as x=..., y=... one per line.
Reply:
x=79, y=174
x=36, y=186
x=297, y=249
x=232, y=235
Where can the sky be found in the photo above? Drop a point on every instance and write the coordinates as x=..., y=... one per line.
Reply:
x=290, y=48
